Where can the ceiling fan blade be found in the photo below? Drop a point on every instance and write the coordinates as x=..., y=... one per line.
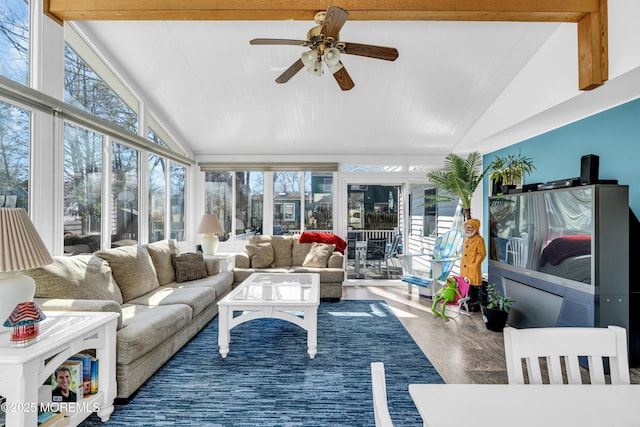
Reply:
x=371, y=51
x=279, y=41
x=333, y=21
x=343, y=78
x=290, y=72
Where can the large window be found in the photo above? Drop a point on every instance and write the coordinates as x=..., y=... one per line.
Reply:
x=286, y=202
x=124, y=191
x=318, y=194
x=219, y=198
x=14, y=40
x=177, y=186
x=249, y=202
x=14, y=156
x=157, y=192
x=301, y=200
x=82, y=186
x=84, y=89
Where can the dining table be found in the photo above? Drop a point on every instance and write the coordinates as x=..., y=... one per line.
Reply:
x=527, y=405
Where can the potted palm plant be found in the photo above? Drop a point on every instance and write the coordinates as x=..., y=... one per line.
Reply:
x=496, y=310
x=459, y=177
x=509, y=171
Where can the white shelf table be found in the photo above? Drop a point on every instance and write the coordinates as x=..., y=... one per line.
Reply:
x=23, y=370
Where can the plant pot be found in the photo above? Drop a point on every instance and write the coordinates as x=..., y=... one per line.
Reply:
x=494, y=319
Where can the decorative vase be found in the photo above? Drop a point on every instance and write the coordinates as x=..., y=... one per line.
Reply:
x=494, y=319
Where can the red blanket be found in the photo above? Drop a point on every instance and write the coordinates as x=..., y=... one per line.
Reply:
x=564, y=247
x=328, y=238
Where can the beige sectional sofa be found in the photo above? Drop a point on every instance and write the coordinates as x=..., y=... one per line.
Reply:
x=163, y=297
x=285, y=254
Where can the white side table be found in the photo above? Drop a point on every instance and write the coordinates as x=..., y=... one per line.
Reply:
x=23, y=370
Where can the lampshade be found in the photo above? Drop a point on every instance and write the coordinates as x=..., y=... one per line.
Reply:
x=21, y=248
x=209, y=224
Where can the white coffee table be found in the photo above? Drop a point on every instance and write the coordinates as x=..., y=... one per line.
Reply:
x=272, y=295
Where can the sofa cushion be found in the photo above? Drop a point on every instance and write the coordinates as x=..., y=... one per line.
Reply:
x=242, y=260
x=261, y=255
x=76, y=277
x=160, y=253
x=221, y=283
x=299, y=252
x=212, y=265
x=241, y=274
x=318, y=255
x=198, y=298
x=132, y=269
x=327, y=275
x=336, y=261
x=189, y=266
x=146, y=327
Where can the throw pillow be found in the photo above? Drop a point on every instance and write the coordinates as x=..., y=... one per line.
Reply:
x=76, y=277
x=318, y=255
x=299, y=252
x=261, y=255
x=132, y=269
x=189, y=266
x=160, y=253
x=282, y=250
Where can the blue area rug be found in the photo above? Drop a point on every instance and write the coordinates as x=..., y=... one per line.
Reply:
x=268, y=378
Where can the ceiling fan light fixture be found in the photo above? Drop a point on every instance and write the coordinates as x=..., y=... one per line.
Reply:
x=309, y=58
x=316, y=68
x=332, y=56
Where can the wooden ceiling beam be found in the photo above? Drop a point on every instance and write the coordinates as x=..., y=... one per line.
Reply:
x=590, y=16
x=477, y=10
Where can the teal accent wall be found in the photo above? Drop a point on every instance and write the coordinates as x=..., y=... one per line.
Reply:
x=613, y=135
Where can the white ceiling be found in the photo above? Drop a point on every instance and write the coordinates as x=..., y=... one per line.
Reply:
x=217, y=94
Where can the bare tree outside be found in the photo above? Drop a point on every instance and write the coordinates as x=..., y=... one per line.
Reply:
x=15, y=129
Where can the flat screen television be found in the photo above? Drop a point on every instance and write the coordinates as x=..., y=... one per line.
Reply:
x=548, y=232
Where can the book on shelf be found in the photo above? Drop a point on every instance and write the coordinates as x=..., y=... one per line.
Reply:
x=94, y=375
x=70, y=376
x=52, y=419
x=86, y=371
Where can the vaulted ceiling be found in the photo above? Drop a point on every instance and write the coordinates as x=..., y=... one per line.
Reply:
x=217, y=94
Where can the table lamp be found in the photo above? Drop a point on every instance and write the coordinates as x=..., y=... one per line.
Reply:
x=21, y=248
x=209, y=225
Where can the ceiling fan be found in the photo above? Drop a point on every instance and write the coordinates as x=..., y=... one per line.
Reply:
x=324, y=42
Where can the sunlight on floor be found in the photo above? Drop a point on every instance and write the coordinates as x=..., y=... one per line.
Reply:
x=411, y=300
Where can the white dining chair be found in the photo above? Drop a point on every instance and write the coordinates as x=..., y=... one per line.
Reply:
x=567, y=343
x=379, y=388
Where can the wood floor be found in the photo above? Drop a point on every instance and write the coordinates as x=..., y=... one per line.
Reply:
x=463, y=350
